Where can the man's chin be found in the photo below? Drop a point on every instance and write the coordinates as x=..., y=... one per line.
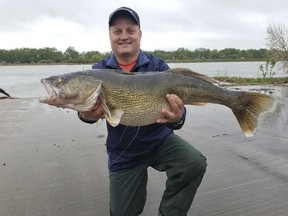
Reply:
x=125, y=53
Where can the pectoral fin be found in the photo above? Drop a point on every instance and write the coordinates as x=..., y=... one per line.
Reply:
x=113, y=117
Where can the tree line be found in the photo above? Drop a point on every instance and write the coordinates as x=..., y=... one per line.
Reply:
x=49, y=55
x=276, y=52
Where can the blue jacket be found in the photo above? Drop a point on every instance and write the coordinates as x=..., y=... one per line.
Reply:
x=128, y=146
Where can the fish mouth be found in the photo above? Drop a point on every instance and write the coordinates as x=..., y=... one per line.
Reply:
x=52, y=91
x=54, y=98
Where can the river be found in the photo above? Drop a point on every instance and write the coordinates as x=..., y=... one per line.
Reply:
x=24, y=81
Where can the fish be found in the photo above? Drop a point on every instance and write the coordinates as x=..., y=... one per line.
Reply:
x=137, y=98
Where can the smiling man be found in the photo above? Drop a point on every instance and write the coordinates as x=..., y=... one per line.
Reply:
x=131, y=150
x=125, y=37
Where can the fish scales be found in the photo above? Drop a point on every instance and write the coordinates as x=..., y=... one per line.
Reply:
x=133, y=92
x=147, y=92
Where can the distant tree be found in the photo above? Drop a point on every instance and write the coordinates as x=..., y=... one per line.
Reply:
x=277, y=42
x=71, y=54
x=230, y=53
x=214, y=54
x=48, y=54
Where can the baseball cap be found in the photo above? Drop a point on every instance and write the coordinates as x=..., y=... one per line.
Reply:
x=124, y=11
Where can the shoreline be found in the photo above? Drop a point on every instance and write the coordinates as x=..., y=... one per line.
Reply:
x=167, y=61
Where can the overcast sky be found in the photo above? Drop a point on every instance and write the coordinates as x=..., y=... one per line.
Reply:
x=166, y=24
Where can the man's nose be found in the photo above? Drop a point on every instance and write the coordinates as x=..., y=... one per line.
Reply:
x=124, y=36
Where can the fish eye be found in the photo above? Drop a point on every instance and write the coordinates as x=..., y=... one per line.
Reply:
x=59, y=80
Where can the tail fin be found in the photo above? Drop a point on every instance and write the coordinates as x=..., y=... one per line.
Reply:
x=251, y=106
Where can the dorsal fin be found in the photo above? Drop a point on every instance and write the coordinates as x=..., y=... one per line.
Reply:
x=123, y=72
x=188, y=72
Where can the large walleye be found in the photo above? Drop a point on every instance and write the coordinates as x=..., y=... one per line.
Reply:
x=136, y=99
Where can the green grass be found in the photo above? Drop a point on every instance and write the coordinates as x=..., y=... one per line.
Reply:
x=253, y=81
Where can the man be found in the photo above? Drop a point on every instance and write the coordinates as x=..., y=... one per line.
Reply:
x=132, y=150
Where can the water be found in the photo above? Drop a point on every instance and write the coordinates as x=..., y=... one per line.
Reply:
x=232, y=69
x=24, y=81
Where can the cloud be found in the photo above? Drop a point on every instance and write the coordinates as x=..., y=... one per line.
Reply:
x=166, y=24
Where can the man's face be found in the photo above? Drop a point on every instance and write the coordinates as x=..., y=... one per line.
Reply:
x=125, y=37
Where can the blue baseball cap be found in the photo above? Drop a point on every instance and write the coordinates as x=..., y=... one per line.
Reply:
x=122, y=12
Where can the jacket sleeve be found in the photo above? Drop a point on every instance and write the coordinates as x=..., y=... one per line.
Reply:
x=86, y=121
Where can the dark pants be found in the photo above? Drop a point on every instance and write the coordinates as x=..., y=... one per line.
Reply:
x=184, y=166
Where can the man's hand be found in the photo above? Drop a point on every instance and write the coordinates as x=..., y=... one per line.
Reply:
x=177, y=110
x=95, y=114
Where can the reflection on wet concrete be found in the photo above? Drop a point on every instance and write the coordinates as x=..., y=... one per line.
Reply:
x=53, y=164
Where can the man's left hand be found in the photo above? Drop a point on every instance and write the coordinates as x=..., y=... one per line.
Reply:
x=176, y=112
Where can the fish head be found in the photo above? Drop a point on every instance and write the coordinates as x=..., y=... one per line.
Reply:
x=75, y=91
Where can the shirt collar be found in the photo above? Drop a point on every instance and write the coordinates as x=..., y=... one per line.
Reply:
x=142, y=59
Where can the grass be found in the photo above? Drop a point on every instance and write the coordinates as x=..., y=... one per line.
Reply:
x=253, y=81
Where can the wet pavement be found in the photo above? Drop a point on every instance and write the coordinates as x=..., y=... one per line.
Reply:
x=53, y=164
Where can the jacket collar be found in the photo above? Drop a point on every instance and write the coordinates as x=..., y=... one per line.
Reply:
x=142, y=60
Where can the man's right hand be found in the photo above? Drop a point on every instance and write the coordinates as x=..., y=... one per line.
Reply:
x=95, y=114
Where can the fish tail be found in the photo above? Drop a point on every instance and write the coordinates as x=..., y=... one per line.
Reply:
x=247, y=112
